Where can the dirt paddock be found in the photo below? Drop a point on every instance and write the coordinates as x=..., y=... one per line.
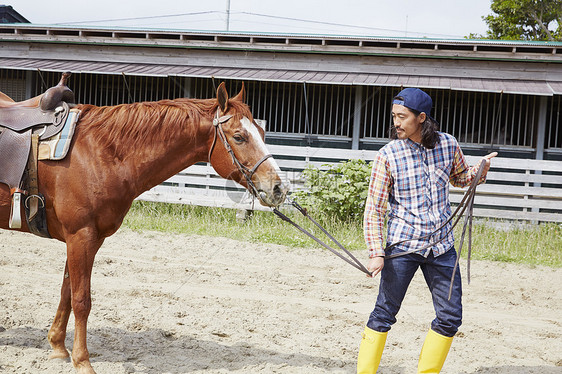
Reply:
x=193, y=304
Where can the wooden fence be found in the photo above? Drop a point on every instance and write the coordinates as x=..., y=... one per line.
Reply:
x=516, y=189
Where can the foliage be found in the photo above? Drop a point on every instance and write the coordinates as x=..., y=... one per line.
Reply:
x=339, y=191
x=525, y=20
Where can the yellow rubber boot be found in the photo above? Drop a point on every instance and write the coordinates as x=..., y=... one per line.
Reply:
x=370, y=351
x=434, y=352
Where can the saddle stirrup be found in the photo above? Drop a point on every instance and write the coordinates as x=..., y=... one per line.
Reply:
x=15, y=212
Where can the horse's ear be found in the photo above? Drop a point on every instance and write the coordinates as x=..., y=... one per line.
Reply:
x=222, y=97
x=241, y=95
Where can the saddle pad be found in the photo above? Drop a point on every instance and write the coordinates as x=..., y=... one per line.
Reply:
x=56, y=147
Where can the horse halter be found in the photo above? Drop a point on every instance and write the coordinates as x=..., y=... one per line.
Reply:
x=248, y=173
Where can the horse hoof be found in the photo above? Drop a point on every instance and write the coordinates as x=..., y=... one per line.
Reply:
x=60, y=355
x=86, y=369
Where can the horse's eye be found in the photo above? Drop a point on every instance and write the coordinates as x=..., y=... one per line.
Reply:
x=238, y=138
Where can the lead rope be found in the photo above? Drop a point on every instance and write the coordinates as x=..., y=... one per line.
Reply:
x=468, y=218
x=467, y=202
x=352, y=260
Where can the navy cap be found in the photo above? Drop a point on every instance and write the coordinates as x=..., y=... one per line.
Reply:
x=415, y=99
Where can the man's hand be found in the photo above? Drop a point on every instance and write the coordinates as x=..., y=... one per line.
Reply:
x=487, y=159
x=375, y=265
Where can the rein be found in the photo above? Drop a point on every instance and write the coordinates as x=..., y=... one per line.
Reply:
x=352, y=260
x=467, y=203
x=248, y=173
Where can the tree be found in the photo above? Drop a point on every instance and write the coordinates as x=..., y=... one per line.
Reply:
x=525, y=20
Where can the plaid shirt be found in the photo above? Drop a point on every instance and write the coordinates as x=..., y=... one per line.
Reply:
x=414, y=181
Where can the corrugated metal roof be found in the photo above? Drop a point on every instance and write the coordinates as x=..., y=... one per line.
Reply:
x=513, y=86
x=404, y=39
x=483, y=49
x=556, y=87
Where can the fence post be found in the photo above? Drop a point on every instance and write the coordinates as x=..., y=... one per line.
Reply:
x=541, y=133
x=356, y=131
x=541, y=129
x=28, y=85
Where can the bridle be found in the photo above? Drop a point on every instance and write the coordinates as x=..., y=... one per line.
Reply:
x=246, y=172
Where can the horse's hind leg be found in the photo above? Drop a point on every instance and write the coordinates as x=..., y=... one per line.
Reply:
x=57, y=332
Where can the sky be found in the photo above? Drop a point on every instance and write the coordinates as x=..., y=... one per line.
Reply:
x=408, y=18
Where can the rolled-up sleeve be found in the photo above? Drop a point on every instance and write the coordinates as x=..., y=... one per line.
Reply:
x=462, y=174
x=376, y=206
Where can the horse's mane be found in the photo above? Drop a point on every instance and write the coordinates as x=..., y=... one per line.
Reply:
x=122, y=127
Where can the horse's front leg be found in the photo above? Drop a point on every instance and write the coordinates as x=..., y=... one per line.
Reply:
x=57, y=332
x=81, y=251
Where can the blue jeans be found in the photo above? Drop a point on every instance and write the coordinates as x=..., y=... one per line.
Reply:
x=437, y=271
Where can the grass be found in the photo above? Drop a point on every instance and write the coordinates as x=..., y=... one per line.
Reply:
x=531, y=244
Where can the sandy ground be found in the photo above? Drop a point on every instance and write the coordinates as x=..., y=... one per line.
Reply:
x=192, y=304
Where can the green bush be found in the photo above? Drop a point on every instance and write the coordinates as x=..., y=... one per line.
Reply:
x=338, y=192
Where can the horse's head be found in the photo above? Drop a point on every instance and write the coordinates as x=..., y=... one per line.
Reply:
x=238, y=150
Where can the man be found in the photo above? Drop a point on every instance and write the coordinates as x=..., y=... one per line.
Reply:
x=411, y=174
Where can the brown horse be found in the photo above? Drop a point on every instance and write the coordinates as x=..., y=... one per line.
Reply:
x=121, y=151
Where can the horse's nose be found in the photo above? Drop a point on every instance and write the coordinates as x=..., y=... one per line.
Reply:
x=280, y=191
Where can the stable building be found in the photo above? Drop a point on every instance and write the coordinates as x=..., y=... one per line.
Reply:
x=313, y=91
x=10, y=15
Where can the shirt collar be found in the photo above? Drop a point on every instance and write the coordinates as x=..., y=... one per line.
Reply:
x=415, y=146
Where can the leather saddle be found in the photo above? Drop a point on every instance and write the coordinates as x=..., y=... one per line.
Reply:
x=44, y=109
x=40, y=117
